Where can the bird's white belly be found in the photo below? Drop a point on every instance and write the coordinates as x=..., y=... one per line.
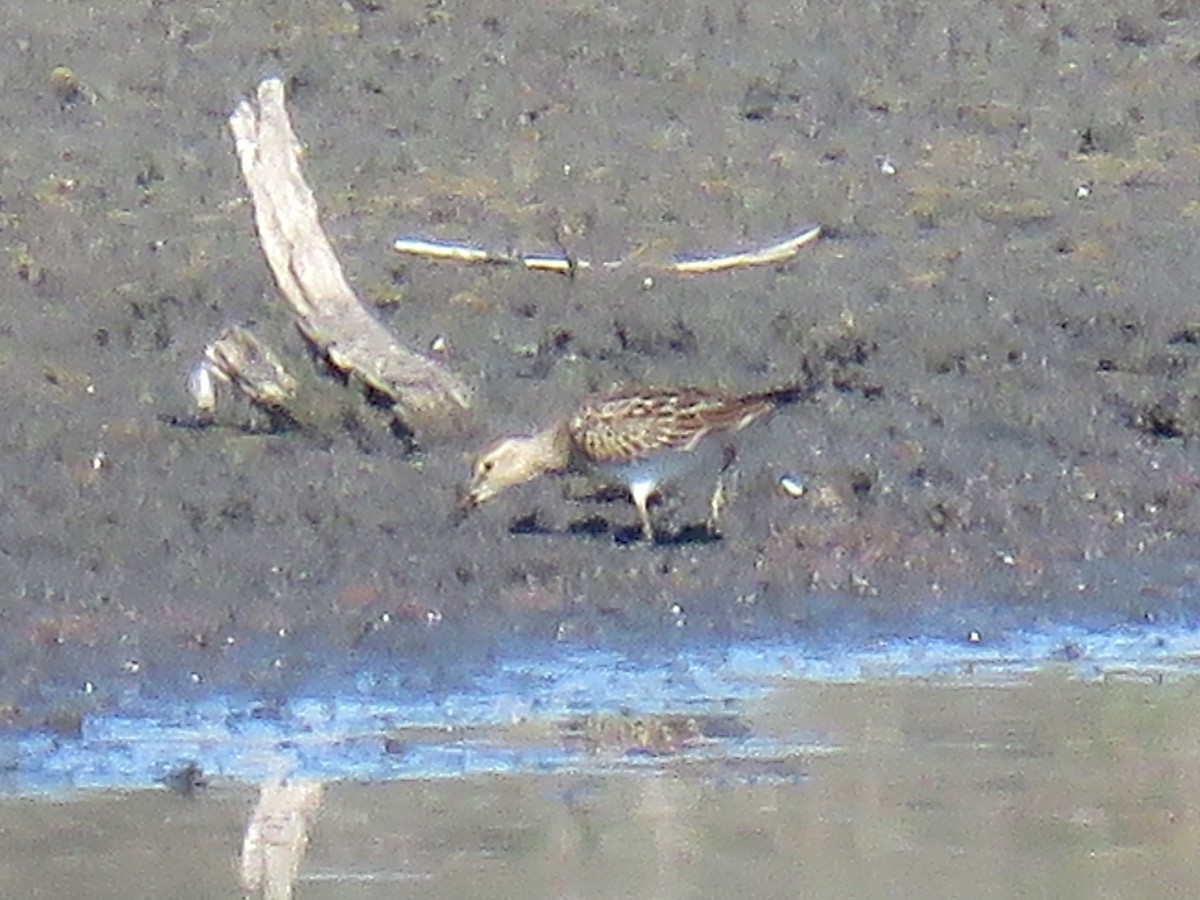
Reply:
x=652, y=472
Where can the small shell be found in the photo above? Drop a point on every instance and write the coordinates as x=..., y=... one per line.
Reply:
x=792, y=486
x=201, y=388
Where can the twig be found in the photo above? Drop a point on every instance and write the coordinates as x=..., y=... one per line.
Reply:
x=778, y=252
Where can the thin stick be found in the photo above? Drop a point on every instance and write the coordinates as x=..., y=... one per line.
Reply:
x=450, y=251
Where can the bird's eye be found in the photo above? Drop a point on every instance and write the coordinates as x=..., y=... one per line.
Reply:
x=486, y=466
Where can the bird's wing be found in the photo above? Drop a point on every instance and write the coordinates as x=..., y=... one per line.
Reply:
x=638, y=423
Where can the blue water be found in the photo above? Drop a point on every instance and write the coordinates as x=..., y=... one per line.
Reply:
x=364, y=726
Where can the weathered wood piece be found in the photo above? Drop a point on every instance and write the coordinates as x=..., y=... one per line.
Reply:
x=428, y=398
x=240, y=359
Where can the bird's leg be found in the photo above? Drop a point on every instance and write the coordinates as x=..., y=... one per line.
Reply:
x=641, y=491
x=715, y=504
x=720, y=496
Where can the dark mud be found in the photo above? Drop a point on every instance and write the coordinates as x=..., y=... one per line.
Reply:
x=1002, y=317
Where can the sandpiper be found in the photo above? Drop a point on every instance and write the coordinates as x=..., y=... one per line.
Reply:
x=639, y=438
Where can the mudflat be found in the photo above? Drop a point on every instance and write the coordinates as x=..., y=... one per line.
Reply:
x=1001, y=314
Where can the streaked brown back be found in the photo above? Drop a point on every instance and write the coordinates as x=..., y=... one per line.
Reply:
x=636, y=423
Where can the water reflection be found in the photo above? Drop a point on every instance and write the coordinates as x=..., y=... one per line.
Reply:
x=1042, y=785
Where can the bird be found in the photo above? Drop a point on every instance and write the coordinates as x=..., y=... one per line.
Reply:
x=641, y=438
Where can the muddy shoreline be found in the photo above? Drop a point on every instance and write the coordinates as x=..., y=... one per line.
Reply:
x=1002, y=315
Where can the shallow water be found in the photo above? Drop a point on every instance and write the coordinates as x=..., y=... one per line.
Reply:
x=545, y=713
x=1058, y=765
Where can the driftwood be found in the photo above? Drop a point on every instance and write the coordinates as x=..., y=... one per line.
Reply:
x=240, y=359
x=427, y=396
x=772, y=254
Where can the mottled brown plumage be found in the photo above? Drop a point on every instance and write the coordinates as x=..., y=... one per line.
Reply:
x=622, y=427
x=640, y=438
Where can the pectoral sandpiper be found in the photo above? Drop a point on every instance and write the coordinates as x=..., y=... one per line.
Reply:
x=639, y=438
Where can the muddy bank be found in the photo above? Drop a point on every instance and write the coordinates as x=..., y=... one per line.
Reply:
x=1002, y=316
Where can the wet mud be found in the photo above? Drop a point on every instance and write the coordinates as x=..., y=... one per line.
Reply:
x=1001, y=315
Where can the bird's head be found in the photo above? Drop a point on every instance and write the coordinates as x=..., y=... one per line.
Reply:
x=509, y=462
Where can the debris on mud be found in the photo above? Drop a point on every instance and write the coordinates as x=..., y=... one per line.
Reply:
x=427, y=397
